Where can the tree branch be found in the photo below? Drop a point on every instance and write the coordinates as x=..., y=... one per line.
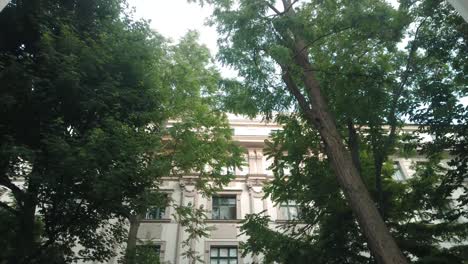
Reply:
x=272, y=7
x=17, y=192
x=296, y=92
x=8, y=208
x=286, y=9
x=290, y=6
x=322, y=37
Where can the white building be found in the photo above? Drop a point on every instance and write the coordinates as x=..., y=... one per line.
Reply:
x=242, y=196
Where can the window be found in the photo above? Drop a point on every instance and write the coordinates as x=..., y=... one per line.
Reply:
x=223, y=255
x=398, y=172
x=156, y=212
x=289, y=210
x=224, y=207
x=148, y=250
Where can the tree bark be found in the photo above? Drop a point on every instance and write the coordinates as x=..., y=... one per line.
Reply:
x=353, y=145
x=130, y=251
x=378, y=163
x=381, y=243
x=25, y=244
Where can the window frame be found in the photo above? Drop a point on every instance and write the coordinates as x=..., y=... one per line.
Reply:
x=160, y=243
x=224, y=243
x=219, y=206
x=218, y=257
x=287, y=204
x=232, y=192
x=161, y=211
x=156, y=246
x=398, y=168
x=166, y=211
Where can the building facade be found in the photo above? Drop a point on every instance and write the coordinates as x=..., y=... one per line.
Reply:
x=227, y=208
x=243, y=195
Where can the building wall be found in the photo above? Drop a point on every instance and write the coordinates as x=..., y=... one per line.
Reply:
x=246, y=187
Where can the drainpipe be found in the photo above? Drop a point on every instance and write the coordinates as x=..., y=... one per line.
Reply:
x=178, y=234
x=249, y=189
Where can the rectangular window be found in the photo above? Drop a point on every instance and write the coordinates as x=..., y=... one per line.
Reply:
x=148, y=250
x=397, y=172
x=156, y=212
x=223, y=255
x=224, y=207
x=289, y=210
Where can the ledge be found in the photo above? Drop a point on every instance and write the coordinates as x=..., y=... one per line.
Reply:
x=281, y=221
x=223, y=221
x=155, y=221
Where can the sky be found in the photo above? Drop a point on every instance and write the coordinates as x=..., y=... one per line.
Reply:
x=173, y=18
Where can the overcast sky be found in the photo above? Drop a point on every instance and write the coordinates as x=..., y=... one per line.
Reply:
x=173, y=18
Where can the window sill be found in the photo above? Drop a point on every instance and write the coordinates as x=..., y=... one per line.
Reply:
x=283, y=221
x=223, y=221
x=155, y=221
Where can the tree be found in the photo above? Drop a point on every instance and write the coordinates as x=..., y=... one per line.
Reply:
x=198, y=140
x=279, y=54
x=86, y=94
x=421, y=212
x=192, y=219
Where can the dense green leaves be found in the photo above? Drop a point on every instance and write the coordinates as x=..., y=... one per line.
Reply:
x=369, y=81
x=96, y=107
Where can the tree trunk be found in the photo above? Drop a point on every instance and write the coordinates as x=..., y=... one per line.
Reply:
x=381, y=243
x=130, y=251
x=25, y=244
x=378, y=163
x=353, y=145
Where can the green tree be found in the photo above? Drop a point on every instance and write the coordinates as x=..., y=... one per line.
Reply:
x=316, y=57
x=424, y=218
x=197, y=136
x=86, y=95
x=368, y=84
x=192, y=219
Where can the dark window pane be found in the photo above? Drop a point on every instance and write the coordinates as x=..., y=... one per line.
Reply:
x=148, y=250
x=398, y=172
x=215, y=213
x=154, y=213
x=289, y=210
x=225, y=255
x=224, y=207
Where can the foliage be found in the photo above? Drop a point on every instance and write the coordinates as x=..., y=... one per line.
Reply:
x=420, y=215
x=87, y=94
x=143, y=254
x=146, y=256
x=368, y=82
x=192, y=219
